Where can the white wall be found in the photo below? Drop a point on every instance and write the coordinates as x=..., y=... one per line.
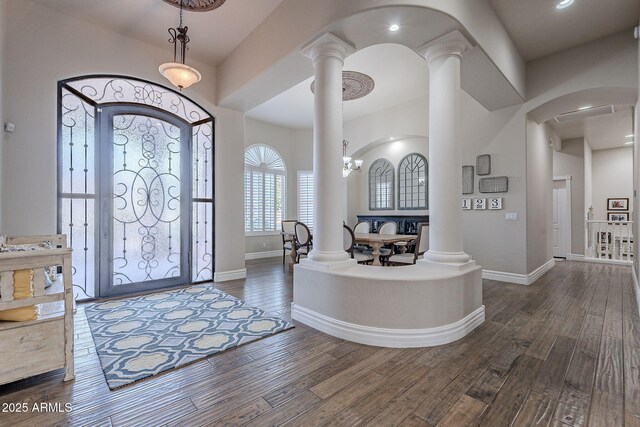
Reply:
x=570, y=161
x=45, y=46
x=295, y=147
x=612, y=177
x=539, y=193
x=588, y=177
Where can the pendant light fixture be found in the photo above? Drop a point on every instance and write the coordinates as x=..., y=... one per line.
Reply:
x=347, y=165
x=178, y=73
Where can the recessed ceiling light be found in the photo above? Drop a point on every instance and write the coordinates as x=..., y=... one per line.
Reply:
x=586, y=107
x=564, y=3
x=395, y=27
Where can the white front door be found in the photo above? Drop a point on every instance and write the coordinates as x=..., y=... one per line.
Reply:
x=560, y=244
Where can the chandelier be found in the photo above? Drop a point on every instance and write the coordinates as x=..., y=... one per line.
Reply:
x=347, y=165
x=178, y=73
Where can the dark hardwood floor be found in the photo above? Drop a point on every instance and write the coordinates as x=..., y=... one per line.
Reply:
x=564, y=351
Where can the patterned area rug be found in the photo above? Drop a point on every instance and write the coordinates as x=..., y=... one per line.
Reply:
x=139, y=337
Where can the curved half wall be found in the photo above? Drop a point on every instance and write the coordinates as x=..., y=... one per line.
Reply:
x=421, y=305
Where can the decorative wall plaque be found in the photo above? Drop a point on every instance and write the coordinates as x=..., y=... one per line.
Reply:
x=483, y=164
x=467, y=180
x=495, y=203
x=496, y=184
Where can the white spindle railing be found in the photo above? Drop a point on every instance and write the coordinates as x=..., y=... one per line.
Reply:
x=609, y=240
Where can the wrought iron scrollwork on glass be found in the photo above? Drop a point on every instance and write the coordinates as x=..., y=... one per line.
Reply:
x=138, y=174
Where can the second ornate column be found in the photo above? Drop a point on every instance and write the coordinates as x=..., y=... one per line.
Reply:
x=445, y=149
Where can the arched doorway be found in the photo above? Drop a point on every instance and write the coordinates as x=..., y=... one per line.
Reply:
x=135, y=185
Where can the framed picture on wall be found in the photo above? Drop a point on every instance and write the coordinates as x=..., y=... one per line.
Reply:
x=617, y=216
x=618, y=204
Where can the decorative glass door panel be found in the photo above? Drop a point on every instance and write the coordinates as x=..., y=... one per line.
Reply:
x=148, y=227
x=135, y=185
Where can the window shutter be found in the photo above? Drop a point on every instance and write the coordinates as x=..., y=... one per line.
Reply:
x=305, y=198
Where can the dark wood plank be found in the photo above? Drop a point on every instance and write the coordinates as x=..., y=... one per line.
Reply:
x=467, y=411
x=536, y=411
x=513, y=393
x=287, y=411
x=607, y=404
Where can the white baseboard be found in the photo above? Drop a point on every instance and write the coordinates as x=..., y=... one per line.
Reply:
x=575, y=257
x=260, y=255
x=503, y=276
x=223, y=276
x=608, y=261
x=520, y=279
x=636, y=285
x=539, y=272
x=383, y=337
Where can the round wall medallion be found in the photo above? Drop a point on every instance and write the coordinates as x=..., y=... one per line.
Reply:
x=197, y=5
x=355, y=85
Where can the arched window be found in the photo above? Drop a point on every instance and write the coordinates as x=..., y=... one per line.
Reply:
x=135, y=185
x=413, y=182
x=381, y=185
x=265, y=178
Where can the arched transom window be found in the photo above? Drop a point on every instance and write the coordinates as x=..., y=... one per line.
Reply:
x=264, y=189
x=381, y=185
x=413, y=182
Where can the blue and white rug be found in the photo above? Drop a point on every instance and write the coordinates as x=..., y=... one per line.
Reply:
x=139, y=337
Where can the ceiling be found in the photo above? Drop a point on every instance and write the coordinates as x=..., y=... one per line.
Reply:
x=399, y=73
x=214, y=34
x=602, y=132
x=539, y=29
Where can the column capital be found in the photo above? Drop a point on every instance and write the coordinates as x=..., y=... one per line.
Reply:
x=451, y=44
x=328, y=44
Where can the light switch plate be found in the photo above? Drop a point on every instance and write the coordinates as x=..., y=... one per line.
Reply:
x=511, y=216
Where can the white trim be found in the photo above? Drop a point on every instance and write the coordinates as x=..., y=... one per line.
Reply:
x=636, y=285
x=384, y=337
x=503, y=276
x=223, y=276
x=567, y=213
x=608, y=261
x=539, y=272
x=520, y=279
x=576, y=257
x=262, y=233
x=261, y=255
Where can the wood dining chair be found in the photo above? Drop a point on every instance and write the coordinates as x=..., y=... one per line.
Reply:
x=421, y=245
x=387, y=227
x=363, y=227
x=303, y=240
x=288, y=236
x=348, y=239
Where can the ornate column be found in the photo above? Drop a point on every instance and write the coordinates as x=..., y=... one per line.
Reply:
x=328, y=53
x=445, y=153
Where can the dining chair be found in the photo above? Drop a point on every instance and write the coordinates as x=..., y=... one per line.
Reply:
x=348, y=239
x=288, y=236
x=363, y=227
x=387, y=227
x=303, y=240
x=421, y=246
